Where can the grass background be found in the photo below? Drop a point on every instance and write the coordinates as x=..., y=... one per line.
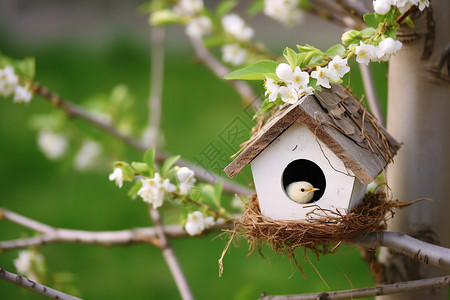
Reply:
x=196, y=108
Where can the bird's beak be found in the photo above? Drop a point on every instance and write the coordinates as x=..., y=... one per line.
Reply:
x=312, y=190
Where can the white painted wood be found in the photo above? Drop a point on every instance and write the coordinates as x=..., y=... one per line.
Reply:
x=298, y=142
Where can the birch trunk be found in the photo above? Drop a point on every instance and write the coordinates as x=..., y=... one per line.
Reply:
x=419, y=117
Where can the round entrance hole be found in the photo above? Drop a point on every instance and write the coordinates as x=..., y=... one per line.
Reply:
x=305, y=170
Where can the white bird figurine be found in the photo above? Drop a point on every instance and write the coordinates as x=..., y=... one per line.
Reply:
x=301, y=191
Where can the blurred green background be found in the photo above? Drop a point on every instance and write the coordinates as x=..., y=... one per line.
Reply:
x=197, y=107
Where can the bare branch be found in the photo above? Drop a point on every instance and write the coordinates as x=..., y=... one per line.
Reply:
x=416, y=249
x=73, y=110
x=242, y=88
x=34, y=286
x=106, y=238
x=170, y=257
x=369, y=292
x=156, y=84
x=371, y=94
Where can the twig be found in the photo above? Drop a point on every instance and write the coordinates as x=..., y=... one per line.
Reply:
x=106, y=238
x=170, y=257
x=416, y=249
x=73, y=110
x=243, y=89
x=34, y=286
x=371, y=94
x=156, y=84
x=415, y=285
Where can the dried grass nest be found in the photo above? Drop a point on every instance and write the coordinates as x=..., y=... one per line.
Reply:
x=322, y=231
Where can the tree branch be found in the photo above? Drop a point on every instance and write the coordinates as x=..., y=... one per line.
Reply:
x=34, y=286
x=416, y=249
x=242, y=88
x=156, y=84
x=170, y=257
x=369, y=292
x=73, y=110
x=50, y=234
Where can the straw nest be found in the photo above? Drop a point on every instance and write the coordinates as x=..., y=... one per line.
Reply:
x=322, y=231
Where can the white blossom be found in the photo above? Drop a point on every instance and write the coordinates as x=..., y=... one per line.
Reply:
x=186, y=180
x=323, y=76
x=340, y=65
x=87, y=156
x=422, y=4
x=197, y=223
x=365, y=53
x=284, y=72
x=382, y=7
x=235, y=26
x=8, y=81
x=117, y=176
x=26, y=263
x=188, y=7
x=388, y=47
x=271, y=89
x=288, y=94
x=285, y=11
x=300, y=78
x=233, y=54
x=153, y=190
x=21, y=94
x=199, y=27
x=53, y=145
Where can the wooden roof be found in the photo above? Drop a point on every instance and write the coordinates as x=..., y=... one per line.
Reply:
x=340, y=122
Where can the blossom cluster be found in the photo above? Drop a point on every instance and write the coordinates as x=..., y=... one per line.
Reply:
x=197, y=25
x=382, y=7
x=235, y=27
x=293, y=84
x=27, y=264
x=9, y=85
x=366, y=53
x=155, y=188
x=286, y=12
x=196, y=223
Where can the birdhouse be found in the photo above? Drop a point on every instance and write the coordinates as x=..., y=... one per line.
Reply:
x=327, y=143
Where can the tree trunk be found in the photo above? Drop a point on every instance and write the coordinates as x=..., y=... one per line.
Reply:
x=419, y=117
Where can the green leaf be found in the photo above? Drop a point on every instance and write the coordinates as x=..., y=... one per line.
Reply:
x=314, y=58
x=392, y=33
x=168, y=164
x=371, y=20
x=255, y=71
x=308, y=48
x=337, y=49
x=132, y=192
x=149, y=158
x=26, y=68
x=225, y=7
x=291, y=57
x=255, y=8
x=164, y=17
x=218, y=188
x=266, y=106
x=407, y=21
x=140, y=167
x=209, y=196
x=368, y=32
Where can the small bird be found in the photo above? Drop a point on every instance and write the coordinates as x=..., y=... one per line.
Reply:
x=301, y=191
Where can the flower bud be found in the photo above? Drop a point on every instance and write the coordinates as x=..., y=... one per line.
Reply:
x=351, y=37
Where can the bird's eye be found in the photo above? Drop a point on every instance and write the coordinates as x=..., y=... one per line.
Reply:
x=302, y=190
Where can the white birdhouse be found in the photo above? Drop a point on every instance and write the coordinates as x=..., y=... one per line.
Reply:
x=327, y=144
